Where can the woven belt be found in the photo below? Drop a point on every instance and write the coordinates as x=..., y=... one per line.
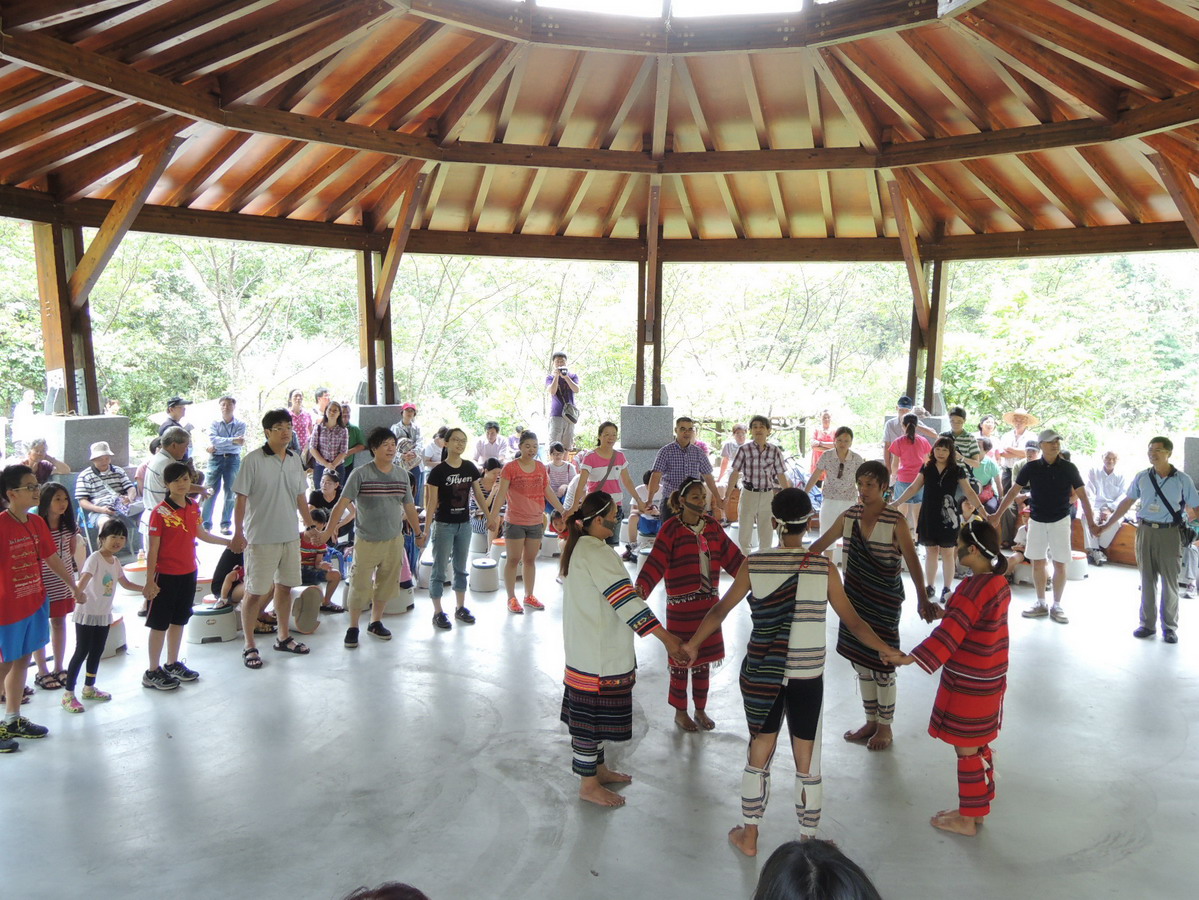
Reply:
x=1141, y=523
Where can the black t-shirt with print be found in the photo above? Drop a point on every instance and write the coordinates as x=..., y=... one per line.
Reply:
x=453, y=490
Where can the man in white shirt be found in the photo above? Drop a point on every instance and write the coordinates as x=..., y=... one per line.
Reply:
x=1105, y=488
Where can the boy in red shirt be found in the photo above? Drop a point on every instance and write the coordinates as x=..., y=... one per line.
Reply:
x=171, y=577
x=25, y=543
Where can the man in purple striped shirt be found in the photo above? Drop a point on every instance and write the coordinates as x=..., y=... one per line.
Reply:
x=682, y=459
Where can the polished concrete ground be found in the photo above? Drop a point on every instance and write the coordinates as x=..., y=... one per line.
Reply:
x=438, y=759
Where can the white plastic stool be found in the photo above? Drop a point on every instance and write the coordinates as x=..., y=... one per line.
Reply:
x=203, y=589
x=478, y=542
x=520, y=566
x=497, y=549
x=484, y=576
x=549, y=545
x=1023, y=573
x=1076, y=568
x=116, y=642
x=426, y=570
x=401, y=602
x=306, y=608
x=208, y=625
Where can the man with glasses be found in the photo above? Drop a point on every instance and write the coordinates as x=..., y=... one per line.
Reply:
x=762, y=471
x=1168, y=501
x=682, y=459
x=270, y=492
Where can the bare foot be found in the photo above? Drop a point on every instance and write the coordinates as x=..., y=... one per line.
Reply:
x=594, y=792
x=881, y=739
x=704, y=722
x=862, y=734
x=685, y=721
x=978, y=820
x=607, y=776
x=745, y=839
x=955, y=824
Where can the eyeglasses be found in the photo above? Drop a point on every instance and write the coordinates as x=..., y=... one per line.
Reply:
x=33, y=488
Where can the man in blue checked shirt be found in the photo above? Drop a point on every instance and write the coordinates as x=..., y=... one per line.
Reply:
x=1168, y=503
x=225, y=439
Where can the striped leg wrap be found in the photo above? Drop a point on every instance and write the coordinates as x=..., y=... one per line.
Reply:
x=699, y=685
x=887, y=692
x=869, y=691
x=976, y=784
x=678, y=688
x=809, y=796
x=755, y=793
x=588, y=756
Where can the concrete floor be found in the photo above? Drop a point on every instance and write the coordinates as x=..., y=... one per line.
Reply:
x=438, y=759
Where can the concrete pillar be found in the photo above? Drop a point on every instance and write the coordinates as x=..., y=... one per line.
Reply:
x=367, y=417
x=69, y=438
x=644, y=430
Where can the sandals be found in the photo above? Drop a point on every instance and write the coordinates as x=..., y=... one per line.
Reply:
x=268, y=618
x=291, y=645
x=48, y=682
x=332, y=608
x=264, y=628
x=224, y=603
x=250, y=658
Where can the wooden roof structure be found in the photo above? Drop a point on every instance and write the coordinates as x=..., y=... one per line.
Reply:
x=908, y=130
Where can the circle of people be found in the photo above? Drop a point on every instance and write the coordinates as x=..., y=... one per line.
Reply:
x=978, y=504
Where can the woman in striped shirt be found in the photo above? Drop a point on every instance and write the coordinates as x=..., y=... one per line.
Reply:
x=783, y=670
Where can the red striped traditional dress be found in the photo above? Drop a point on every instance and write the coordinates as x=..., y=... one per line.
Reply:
x=690, y=591
x=873, y=585
x=971, y=643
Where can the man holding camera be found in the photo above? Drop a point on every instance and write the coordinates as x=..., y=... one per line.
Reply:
x=563, y=386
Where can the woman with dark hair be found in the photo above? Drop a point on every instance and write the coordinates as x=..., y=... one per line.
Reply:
x=789, y=590
x=330, y=441
x=837, y=471
x=813, y=870
x=525, y=485
x=908, y=453
x=606, y=469
x=326, y=495
x=688, y=554
x=301, y=421
x=55, y=507
x=601, y=612
x=970, y=646
x=875, y=537
x=488, y=485
x=940, y=478
x=391, y=890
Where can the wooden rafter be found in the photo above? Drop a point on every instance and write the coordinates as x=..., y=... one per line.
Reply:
x=911, y=254
x=913, y=192
x=685, y=204
x=73, y=180
x=511, y=92
x=848, y=96
x=32, y=15
x=934, y=179
x=1162, y=32
x=887, y=89
x=127, y=204
x=477, y=90
x=185, y=191
x=661, y=107
x=623, y=195
x=476, y=213
x=994, y=187
x=1108, y=179
x=396, y=246
x=328, y=165
x=1182, y=190
x=437, y=84
x=1039, y=173
x=36, y=161
x=948, y=80
x=361, y=186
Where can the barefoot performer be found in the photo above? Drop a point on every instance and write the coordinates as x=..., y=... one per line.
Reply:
x=971, y=643
x=600, y=613
x=688, y=554
x=783, y=670
x=875, y=536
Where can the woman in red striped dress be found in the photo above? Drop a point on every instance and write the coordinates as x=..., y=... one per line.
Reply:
x=688, y=554
x=970, y=645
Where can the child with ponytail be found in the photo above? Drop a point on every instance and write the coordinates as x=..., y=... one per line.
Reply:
x=970, y=645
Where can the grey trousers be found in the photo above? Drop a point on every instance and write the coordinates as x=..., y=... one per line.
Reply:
x=1159, y=561
x=562, y=430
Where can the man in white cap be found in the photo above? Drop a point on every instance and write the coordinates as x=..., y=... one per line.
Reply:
x=1053, y=483
x=105, y=492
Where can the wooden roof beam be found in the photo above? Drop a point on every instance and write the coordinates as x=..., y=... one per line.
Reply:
x=951, y=196
x=270, y=165
x=362, y=186
x=913, y=192
x=511, y=92
x=879, y=82
x=1000, y=194
x=26, y=165
x=480, y=203
x=126, y=205
x=395, y=247
x=630, y=96
x=72, y=110
x=661, y=108
x=938, y=70
x=1111, y=181
x=684, y=198
x=324, y=171
x=624, y=193
x=573, y=89
x=848, y=96
x=911, y=254
x=1182, y=154
x=1182, y=190
x=1152, y=27
x=477, y=90
x=76, y=177
x=148, y=32
x=34, y=15
x=379, y=213
x=416, y=105
x=574, y=199
x=1036, y=171
x=187, y=190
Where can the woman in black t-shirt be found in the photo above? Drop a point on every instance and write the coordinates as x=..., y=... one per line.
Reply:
x=326, y=498
x=448, y=490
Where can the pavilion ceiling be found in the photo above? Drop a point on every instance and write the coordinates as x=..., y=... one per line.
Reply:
x=1005, y=126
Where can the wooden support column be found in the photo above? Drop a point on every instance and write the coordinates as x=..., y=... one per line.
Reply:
x=918, y=278
x=639, y=377
x=933, y=350
x=66, y=327
x=649, y=301
x=376, y=278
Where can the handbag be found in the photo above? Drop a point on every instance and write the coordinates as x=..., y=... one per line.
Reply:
x=570, y=413
x=1184, y=531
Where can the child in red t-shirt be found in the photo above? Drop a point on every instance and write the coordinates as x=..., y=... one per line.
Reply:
x=25, y=543
x=313, y=568
x=171, y=568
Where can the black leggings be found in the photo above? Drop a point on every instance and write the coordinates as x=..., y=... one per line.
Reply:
x=802, y=699
x=89, y=645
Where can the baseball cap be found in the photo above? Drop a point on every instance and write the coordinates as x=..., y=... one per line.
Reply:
x=411, y=406
x=177, y=401
x=905, y=401
x=1048, y=435
x=1030, y=444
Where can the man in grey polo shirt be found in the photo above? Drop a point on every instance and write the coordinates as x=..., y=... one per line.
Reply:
x=270, y=492
x=1168, y=500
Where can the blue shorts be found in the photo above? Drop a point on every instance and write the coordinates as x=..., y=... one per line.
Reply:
x=901, y=486
x=21, y=638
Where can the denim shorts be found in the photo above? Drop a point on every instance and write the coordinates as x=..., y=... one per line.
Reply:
x=901, y=486
x=514, y=532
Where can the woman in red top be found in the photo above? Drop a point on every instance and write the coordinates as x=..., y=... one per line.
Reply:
x=525, y=484
x=971, y=644
x=688, y=554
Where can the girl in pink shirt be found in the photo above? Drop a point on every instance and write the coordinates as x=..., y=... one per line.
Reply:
x=909, y=452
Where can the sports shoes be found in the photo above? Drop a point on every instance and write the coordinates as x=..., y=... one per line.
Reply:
x=70, y=704
x=1170, y=636
x=23, y=728
x=442, y=621
x=159, y=680
x=91, y=692
x=533, y=603
x=1143, y=632
x=1036, y=611
x=351, y=640
x=462, y=614
x=929, y=591
x=945, y=592
x=181, y=672
x=1188, y=591
x=629, y=555
x=6, y=745
x=515, y=607
x=377, y=629
x=1059, y=615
